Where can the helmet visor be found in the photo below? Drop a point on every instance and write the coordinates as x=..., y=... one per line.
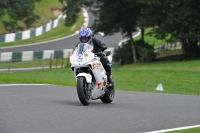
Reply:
x=84, y=40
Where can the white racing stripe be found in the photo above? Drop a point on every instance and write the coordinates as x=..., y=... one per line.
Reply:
x=174, y=129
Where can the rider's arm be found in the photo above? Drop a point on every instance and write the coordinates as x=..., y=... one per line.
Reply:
x=99, y=43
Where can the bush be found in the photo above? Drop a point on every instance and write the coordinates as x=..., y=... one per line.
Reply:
x=145, y=51
x=124, y=55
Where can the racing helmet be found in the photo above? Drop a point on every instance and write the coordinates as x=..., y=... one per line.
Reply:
x=85, y=35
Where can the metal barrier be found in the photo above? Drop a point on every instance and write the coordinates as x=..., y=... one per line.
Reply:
x=57, y=61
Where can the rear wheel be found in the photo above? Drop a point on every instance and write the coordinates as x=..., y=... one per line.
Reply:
x=109, y=95
x=84, y=93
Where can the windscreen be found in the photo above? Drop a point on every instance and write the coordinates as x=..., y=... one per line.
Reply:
x=83, y=47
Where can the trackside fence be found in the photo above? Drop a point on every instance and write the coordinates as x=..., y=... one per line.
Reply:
x=34, y=60
x=47, y=59
x=168, y=46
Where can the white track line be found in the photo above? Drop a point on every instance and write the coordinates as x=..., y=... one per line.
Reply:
x=174, y=129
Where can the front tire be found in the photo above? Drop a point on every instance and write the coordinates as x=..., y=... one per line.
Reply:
x=84, y=93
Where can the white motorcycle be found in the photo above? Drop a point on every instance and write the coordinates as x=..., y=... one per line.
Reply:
x=90, y=75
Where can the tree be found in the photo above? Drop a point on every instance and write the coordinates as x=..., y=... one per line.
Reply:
x=180, y=19
x=18, y=11
x=2, y=7
x=72, y=11
x=114, y=16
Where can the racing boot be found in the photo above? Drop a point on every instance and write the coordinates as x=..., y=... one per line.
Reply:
x=108, y=72
x=110, y=78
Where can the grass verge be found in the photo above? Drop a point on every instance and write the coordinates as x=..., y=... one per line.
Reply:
x=175, y=77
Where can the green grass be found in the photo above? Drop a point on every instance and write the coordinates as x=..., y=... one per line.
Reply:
x=176, y=77
x=43, y=8
x=193, y=130
x=58, y=32
x=61, y=76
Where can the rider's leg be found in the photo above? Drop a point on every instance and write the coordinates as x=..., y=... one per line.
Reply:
x=109, y=75
x=107, y=65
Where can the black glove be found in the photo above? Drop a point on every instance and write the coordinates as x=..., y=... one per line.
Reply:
x=101, y=54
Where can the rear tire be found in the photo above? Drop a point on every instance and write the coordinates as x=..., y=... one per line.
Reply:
x=109, y=95
x=84, y=93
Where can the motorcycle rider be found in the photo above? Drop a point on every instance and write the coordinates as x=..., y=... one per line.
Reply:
x=86, y=36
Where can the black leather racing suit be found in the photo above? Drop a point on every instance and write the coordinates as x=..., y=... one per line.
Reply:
x=99, y=46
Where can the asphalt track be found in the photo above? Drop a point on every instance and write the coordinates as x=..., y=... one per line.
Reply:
x=56, y=109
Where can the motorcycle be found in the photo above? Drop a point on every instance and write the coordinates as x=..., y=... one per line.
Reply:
x=90, y=75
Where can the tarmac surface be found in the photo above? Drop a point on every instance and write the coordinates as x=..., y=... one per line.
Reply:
x=57, y=109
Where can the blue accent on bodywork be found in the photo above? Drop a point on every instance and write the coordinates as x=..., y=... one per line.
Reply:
x=109, y=63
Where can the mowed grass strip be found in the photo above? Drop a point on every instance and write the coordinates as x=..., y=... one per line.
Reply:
x=175, y=77
x=61, y=76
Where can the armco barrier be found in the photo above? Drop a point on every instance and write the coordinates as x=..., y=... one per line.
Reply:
x=32, y=33
x=10, y=61
x=40, y=30
x=34, y=55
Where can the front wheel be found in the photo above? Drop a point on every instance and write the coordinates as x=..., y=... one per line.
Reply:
x=84, y=93
x=109, y=95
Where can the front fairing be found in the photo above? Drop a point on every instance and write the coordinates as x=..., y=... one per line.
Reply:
x=82, y=55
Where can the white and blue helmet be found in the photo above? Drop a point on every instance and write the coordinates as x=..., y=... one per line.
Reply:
x=85, y=33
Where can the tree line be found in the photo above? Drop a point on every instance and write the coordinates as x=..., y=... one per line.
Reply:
x=178, y=19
